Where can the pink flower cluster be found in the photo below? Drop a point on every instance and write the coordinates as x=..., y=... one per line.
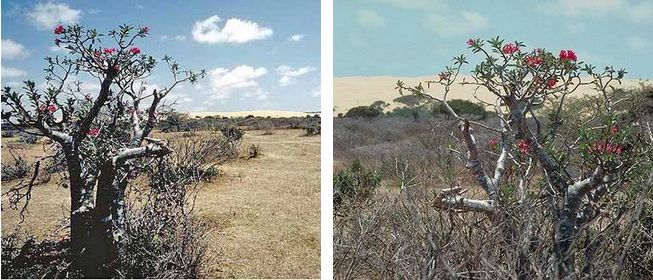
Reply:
x=470, y=42
x=494, y=144
x=534, y=61
x=48, y=108
x=93, y=132
x=135, y=50
x=606, y=147
x=145, y=29
x=568, y=55
x=615, y=129
x=551, y=83
x=523, y=146
x=109, y=51
x=510, y=48
x=59, y=30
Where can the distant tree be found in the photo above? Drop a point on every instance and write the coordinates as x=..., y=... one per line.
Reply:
x=363, y=112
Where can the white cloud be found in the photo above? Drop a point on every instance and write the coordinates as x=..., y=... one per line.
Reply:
x=140, y=7
x=370, y=19
x=297, y=37
x=48, y=15
x=56, y=49
x=11, y=72
x=289, y=74
x=235, y=31
x=637, y=43
x=317, y=92
x=468, y=21
x=12, y=49
x=176, y=37
x=244, y=78
x=635, y=12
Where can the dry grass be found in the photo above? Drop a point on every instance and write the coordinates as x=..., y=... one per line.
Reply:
x=264, y=212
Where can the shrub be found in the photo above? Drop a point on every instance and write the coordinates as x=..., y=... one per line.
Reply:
x=27, y=138
x=312, y=130
x=16, y=169
x=462, y=107
x=415, y=113
x=253, y=151
x=267, y=127
x=363, y=112
x=411, y=100
x=354, y=185
x=232, y=133
x=7, y=133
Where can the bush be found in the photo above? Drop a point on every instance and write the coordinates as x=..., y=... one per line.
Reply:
x=415, y=113
x=363, y=112
x=16, y=169
x=8, y=133
x=253, y=151
x=232, y=133
x=411, y=100
x=312, y=130
x=462, y=108
x=354, y=185
x=28, y=138
x=267, y=127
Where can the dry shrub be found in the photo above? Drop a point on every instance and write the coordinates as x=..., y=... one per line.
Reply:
x=253, y=151
x=17, y=168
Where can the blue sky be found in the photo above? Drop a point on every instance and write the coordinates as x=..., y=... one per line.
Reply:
x=259, y=54
x=419, y=37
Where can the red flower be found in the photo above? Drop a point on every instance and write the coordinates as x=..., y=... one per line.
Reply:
x=109, y=50
x=116, y=68
x=88, y=97
x=58, y=30
x=145, y=30
x=615, y=129
x=93, y=132
x=523, y=146
x=52, y=108
x=551, y=83
x=135, y=50
x=603, y=146
x=534, y=61
x=494, y=143
x=567, y=55
x=470, y=42
x=510, y=48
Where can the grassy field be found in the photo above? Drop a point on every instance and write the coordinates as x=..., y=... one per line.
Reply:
x=264, y=212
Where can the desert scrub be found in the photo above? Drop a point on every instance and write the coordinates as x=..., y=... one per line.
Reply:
x=363, y=112
x=15, y=169
x=354, y=185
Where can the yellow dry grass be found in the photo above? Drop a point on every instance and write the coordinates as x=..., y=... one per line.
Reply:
x=256, y=113
x=264, y=212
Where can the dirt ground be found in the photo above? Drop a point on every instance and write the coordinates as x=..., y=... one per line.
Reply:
x=264, y=212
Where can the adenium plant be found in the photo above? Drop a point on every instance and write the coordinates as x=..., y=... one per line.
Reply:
x=573, y=171
x=104, y=135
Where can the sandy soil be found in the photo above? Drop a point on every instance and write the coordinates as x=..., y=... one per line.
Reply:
x=264, y=212
x=362, y=91
x=256, y=113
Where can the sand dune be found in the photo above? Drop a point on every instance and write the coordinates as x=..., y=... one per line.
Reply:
x=357, y=90
x=256, y=113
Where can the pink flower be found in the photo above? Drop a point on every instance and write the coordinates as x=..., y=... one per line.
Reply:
x=88, y=97
x=116, y=68
x=494, y=144
x=539, y=51
x=52, y=108
x=534, y=61
x=615, y=129
x=109, y=50
x=59, y=30
x=135, y=50
x=444, y=75
x=567, y=55
x=523, y=146
x=510, y=48
x=470, y=42
x=145, y=29
x=93, y=132
x=551, y=83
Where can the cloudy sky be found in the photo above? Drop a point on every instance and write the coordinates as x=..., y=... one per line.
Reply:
x=419, y=37
x=258, y=54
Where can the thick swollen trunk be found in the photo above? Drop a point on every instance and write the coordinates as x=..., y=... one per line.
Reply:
x=81, y=216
